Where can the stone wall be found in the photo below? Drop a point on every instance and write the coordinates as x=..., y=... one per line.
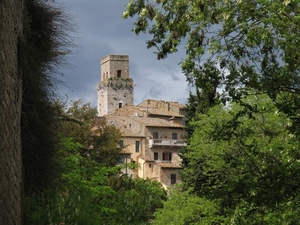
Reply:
x=169, y=106
x=110, y=64
x=10, y=113
x=113, y=93
x=115, y=90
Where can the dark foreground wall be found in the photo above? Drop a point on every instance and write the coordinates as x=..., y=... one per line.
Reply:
x=10, y=113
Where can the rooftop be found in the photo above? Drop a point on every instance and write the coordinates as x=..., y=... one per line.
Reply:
x=119, y=122
x=168, y=165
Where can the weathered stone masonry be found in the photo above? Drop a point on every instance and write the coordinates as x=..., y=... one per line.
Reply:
x=10, y=113
x=116, y=87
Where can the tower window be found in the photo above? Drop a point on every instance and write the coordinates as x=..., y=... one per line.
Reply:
x=120, y=104
x=173, y=178
x=119, y=72
x=174, y=136
x=155, y=135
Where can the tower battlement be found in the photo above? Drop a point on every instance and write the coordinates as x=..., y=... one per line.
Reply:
x=114, y=57
x=116, y=88
x=114, y=66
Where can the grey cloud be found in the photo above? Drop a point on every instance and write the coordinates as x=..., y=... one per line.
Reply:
x=103, y=32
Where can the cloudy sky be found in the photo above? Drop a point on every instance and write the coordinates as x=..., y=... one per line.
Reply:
x=101, y=31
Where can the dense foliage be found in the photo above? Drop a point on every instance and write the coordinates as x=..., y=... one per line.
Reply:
x=185, y=208
x=243, y=157
x=245, y=161
x=91, y=188
x=41, y=51
x=70, y=159
x=251, y=44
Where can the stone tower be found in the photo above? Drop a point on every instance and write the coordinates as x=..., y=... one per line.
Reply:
x=116, y=87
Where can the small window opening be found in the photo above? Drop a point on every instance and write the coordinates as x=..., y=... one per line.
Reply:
x=137, y=146
x=173, y=178
x=174, y=136
x=155, y=155
x=119, y=72
x=155, y=135
x=120, y=104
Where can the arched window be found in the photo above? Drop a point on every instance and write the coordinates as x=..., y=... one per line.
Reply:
x=174, y=136
x=155, y=135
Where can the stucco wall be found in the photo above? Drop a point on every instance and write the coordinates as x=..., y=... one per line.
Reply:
x=165, y=133
x=141, y=163
x=129, y=143
x=165, y=176
x=175, y=157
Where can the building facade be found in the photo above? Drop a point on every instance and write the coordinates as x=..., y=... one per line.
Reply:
x=152, y=131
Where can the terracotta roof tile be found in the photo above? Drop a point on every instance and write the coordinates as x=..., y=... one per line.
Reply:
x=162, y=112
x=119, y=122
x=148, y=159
x=156, y=122
x=168, y=165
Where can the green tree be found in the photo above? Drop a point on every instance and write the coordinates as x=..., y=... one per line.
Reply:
x=205, y=81
x=98, y=139
x=185, y=208
x=76, y=120
x=137, y=199
x=245, y=160
x=244, y=156
x=42, y=49
x=81, y=195
x=91, y=189
x=254, y=43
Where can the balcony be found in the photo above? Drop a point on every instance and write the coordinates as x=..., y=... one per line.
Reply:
x=166, y=142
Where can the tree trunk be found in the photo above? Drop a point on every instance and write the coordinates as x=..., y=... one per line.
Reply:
x=11, y=21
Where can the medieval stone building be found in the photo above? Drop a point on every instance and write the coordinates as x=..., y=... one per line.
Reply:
x=116, y=88
x=152, y=131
